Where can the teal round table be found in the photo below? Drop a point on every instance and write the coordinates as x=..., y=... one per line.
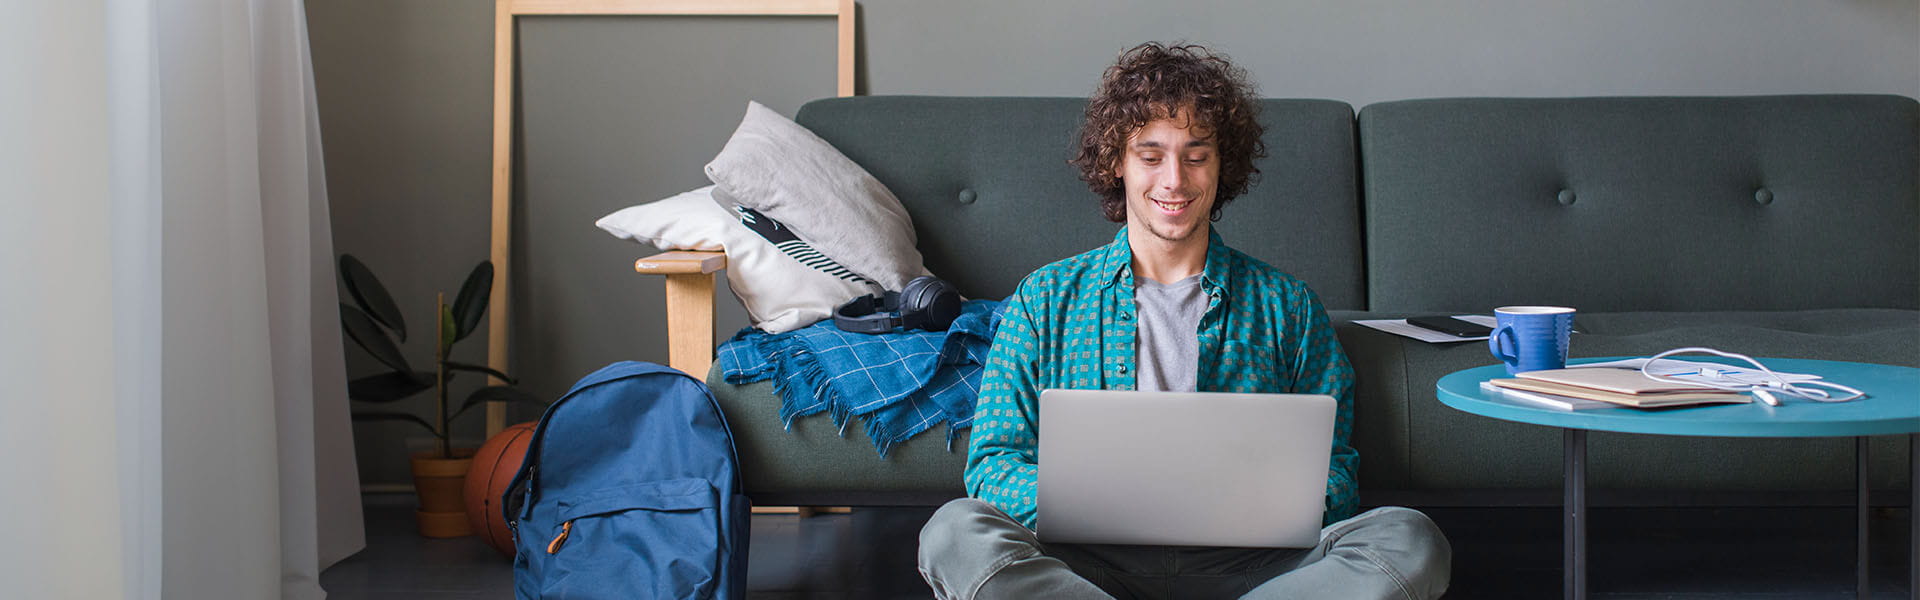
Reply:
x=1892, y=407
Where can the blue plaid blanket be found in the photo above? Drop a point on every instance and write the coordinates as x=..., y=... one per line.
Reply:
x=900, y=383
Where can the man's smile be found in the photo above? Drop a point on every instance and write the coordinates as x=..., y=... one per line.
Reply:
x=1171, y=207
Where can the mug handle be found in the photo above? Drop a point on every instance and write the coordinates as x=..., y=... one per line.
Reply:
x=1502, y=347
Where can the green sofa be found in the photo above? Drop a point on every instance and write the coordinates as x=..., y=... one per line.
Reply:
x=1776, y=226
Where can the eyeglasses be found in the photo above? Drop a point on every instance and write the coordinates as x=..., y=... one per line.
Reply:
x=1764, y=385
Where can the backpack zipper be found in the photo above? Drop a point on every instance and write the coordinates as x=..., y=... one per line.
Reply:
x=565, y=530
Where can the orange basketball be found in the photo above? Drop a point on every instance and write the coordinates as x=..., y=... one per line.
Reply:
x=493, y=468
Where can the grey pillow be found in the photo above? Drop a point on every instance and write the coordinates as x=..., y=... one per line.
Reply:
x=775, y=166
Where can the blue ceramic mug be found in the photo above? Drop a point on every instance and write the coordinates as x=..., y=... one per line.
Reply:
x=1531, y=338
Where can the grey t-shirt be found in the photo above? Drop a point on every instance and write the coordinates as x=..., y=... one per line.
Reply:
x=1168, y=337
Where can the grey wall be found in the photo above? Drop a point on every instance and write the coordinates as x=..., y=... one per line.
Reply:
x=1365, y=51
x=618, y=111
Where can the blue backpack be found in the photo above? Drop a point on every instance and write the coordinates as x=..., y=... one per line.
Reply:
x=630, y=489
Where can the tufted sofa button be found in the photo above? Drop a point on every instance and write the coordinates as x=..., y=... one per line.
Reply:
x=967, y=196
x=1763, y=196
x=1566, y=197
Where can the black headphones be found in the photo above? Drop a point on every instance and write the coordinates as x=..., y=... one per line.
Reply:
x=927, y=303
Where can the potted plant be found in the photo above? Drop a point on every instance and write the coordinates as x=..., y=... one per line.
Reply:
x=437, y=474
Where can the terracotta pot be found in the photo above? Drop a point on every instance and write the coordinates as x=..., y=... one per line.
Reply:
x=439, y=482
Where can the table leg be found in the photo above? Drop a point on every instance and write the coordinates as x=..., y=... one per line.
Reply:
x=1574, y=449
x=1861, y=589
x=1913, y=516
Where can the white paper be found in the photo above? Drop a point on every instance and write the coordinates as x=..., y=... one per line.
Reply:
x=1401, y=328
x=1543, y=399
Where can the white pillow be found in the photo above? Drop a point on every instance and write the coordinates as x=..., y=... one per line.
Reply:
x=784, y=284
x=784, y=171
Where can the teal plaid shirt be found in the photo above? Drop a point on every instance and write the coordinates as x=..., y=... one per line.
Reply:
x=1070, y=325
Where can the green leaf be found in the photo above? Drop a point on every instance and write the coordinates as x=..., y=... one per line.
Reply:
x=496, y=393
x=365, y=417
x=471, y=304
x=447, y=337
x=370, y=338
x=370, y=295
x=389, y=387
x=454, y=366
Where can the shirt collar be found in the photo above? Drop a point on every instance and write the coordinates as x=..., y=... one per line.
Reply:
x=1116, y=260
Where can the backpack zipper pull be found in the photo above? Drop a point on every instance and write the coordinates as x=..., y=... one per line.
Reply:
x=565, y=529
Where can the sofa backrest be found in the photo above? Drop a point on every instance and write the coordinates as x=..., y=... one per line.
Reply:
x=1628, y=204
x=993, y=198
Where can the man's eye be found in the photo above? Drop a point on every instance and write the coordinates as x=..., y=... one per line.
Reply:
x=1151, y=160
x=1197, y=160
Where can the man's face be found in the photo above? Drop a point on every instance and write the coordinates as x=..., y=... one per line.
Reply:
x=1171, y=172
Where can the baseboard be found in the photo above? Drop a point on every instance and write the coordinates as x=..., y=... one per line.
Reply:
x=1630, y=498
x=851, y=498
x=790, y=503
x=388, y=491
x=804, y=511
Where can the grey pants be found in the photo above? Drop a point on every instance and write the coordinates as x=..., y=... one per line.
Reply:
x=972, y=550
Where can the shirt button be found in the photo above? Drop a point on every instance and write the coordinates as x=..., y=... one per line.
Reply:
x=1126, y=316
x=1123, y=368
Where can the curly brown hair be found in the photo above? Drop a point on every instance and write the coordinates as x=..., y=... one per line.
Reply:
x=1154, y=81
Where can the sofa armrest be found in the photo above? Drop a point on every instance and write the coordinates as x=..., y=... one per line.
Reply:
x=689, y=305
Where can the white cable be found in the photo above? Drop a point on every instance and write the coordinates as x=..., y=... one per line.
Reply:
x=1773, y=382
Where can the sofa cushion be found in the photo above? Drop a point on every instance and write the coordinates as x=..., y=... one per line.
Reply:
x=987, y=183
x=1613, y=204
x=819, y=464
x=1408, y=440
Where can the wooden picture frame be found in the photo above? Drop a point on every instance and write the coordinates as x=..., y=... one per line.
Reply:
x=504, y=14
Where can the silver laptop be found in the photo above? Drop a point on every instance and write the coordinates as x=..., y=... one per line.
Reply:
x=1183, y=468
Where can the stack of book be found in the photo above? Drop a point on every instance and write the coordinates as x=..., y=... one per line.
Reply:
x=1581, y=388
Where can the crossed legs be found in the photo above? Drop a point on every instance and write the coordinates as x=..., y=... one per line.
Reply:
x=969, y=549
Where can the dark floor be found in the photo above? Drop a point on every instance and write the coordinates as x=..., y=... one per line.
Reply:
x=1498, y=553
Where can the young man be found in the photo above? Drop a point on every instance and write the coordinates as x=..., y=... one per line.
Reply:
x=1170, y=139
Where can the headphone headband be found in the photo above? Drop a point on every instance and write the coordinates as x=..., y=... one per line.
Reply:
x=868, y=314
x=927, y=303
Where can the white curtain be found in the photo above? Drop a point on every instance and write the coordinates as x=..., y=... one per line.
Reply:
x=175, y=419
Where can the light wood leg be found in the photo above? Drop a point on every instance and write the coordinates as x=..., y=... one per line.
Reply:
x=690, y=323
x=689, y=305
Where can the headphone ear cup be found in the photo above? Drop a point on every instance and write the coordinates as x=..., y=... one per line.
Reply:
x=929, y=303
x=912, y=299
x=915, y=295
x=944, y=307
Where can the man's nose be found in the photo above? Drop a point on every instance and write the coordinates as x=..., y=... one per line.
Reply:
x=1174, y=179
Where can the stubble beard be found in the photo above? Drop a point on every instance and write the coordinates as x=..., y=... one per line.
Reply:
x=1161, y=230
